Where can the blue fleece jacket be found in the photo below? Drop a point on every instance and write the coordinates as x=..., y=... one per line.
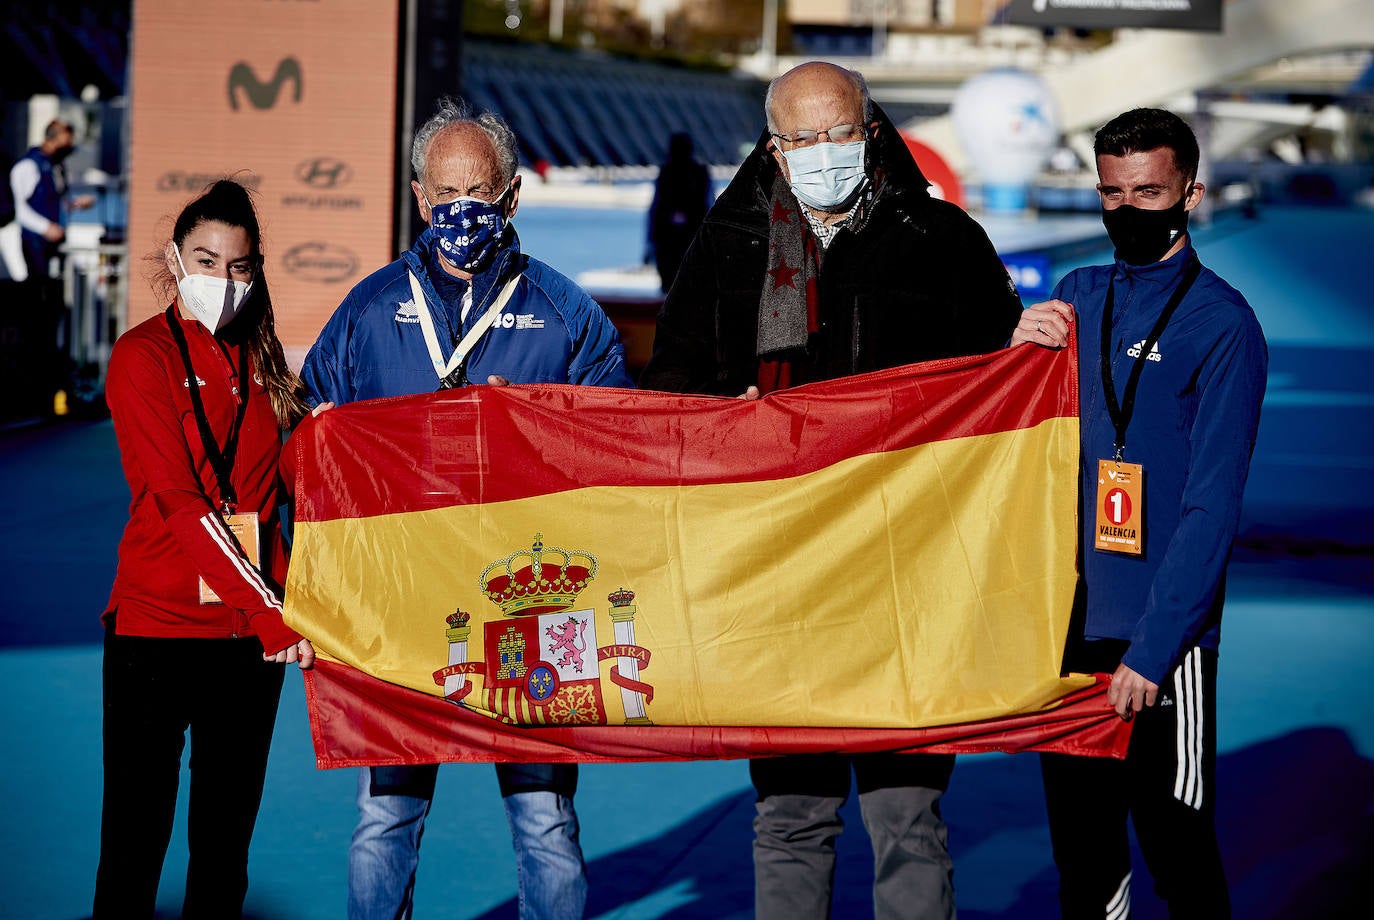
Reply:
x=1193, y=430
x=551, y=331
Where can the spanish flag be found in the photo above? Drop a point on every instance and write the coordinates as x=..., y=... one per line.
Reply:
x=557, y=573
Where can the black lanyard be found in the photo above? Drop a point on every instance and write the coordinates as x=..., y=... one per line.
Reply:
x=1121, y=413
x=221, y=461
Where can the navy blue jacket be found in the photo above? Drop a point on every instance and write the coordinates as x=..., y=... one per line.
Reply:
x=47, y=201
x=47, y=197
x=551, y=331
x=1193, y=430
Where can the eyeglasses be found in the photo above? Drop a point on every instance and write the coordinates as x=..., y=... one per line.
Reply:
x=840, y=134
x=480, y=197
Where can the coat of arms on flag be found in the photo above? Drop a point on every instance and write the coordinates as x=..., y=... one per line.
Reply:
x=541, y=660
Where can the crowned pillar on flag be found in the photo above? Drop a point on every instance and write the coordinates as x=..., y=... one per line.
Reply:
x=623, y=622
x=457, y=633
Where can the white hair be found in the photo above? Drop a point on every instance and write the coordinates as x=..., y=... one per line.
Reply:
x=456, y=112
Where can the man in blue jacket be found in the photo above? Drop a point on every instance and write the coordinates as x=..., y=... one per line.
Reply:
x=1172, y=367
x=39, y=188
x=464, y=305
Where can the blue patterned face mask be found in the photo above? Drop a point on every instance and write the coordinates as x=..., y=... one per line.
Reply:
x=826, y=176
x=468, y=230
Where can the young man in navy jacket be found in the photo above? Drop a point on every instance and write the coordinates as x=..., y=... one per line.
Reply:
x=1172, y=367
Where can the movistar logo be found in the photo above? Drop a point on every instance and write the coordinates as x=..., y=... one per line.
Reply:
x=264, y=95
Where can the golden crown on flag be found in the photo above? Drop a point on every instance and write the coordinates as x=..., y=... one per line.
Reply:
x=541, y=579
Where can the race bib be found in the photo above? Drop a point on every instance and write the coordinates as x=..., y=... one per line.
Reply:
x=1120, y=505
x=244, y=527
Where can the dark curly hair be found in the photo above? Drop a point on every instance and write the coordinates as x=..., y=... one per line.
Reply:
x=1142, y=130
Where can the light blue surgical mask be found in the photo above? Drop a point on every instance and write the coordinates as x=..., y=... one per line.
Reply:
x=826, y=176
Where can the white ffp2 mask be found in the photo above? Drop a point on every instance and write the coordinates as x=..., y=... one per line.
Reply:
x=212, y=301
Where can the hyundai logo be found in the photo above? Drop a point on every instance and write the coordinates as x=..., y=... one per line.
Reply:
x=324, y=172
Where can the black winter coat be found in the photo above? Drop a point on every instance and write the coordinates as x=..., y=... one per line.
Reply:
x=918, y=280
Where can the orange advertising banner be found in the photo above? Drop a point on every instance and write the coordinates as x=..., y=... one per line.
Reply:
x=294, y=98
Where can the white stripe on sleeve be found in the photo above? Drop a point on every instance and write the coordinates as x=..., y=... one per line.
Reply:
x=219, y=533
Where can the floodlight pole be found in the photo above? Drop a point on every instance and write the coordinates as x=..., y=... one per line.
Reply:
x=770, y=34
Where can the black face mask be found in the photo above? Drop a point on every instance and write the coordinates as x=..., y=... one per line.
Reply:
x=1142, y=236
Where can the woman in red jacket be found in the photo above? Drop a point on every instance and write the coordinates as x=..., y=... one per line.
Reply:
x=194, y=638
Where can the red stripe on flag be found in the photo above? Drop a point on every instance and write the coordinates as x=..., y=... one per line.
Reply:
x=555, y=438
x=422, y=729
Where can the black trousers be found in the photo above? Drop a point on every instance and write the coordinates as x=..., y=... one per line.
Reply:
x=154, y=691
x=1166, y=786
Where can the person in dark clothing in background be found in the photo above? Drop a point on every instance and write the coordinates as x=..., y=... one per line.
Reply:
x=682, y=196
x=38, y=186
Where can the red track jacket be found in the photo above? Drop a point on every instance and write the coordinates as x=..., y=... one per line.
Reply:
x=175, y=535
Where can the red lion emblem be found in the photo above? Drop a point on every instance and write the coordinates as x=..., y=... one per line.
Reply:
x=565, y=636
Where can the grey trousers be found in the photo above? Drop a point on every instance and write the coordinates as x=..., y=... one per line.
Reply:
x=798, y=819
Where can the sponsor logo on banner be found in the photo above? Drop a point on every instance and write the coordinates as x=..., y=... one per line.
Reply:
x=541, y=661
x=323, y=175
x=324, y=172
x=193, y=183
x=243, y=81
x=317, y=261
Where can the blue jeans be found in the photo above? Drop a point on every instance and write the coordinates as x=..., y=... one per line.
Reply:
x=393, y=803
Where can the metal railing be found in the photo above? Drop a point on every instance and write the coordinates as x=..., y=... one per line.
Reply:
x=95, y=290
